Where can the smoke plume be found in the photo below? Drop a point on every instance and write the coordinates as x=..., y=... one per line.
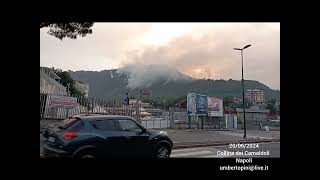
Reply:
x=210, y=54
x=145, y=75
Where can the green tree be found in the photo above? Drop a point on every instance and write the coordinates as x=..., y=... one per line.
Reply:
x=271, y=105
x=71, y=30
x=228, y=101
x=67, y=81
x=181, y=102
x=249, y=103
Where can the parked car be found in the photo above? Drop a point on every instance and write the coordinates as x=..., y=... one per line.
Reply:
x=104, y=136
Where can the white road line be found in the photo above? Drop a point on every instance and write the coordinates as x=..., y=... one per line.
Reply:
x=188, y=149
x=190, y=153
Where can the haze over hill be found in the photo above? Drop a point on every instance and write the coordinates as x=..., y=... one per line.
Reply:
x=163, y=80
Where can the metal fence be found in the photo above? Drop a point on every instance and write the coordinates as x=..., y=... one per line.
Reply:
x=253, y=120
x=148, y=116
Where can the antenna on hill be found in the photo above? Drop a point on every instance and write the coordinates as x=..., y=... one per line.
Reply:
x=111, y=74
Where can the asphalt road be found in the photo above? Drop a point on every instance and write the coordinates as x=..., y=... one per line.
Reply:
x=226, y=151
x=218, y=151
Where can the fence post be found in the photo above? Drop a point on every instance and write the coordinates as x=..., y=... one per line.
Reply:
x=67, y=113
x=252, y=118
x=92, y=106
x=137, y=112
x=189, y=119
x=163, y=114
x=202, y=117
x=167, y=119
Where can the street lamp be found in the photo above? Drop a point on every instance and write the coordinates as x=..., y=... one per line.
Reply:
x=243, y=103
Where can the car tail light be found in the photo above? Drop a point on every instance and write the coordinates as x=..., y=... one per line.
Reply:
x=69, y=135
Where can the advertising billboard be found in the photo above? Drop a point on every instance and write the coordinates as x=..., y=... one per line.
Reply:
x=196, y=104
x=62, y=101
x=215, y=106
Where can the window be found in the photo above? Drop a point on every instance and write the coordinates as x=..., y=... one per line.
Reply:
x=128, y=125
x=67, y=123
x=77, y=126
x=104, y=125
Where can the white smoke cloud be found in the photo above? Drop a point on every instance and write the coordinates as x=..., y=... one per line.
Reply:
x=209, y=53
x=144, y=75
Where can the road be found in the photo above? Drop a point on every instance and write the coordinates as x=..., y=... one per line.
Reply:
x=212, y=151
x=220, y=151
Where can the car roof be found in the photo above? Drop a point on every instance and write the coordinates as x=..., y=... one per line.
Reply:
x=95, y=116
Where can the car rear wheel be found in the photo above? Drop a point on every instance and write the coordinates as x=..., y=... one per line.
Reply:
x=163, y=151
x=86, y=154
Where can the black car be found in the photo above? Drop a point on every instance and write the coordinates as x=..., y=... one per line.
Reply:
x=104, y=136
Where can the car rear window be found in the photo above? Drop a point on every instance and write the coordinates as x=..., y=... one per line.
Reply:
x=104, y=125
x=76, y=126
x=65, y=124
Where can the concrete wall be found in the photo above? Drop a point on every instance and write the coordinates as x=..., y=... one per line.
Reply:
x=50, y=85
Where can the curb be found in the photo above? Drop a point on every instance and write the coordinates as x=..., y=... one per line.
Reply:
x=182, y=146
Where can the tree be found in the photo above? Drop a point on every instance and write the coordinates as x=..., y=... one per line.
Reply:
x=228, y=101
x=66, y=80
x=271, y=105
x=70, y=30
x=249, y=103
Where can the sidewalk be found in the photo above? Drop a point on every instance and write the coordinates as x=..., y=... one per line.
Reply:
x=197, y=138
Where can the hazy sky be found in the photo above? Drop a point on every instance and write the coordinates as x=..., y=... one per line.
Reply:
x=199, y=50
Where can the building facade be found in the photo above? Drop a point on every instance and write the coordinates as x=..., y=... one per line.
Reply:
x=50, y=82
x=255, y=95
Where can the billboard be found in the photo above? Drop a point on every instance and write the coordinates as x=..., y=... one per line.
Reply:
x=215, y=106
x=196, y=104
x=62, y=101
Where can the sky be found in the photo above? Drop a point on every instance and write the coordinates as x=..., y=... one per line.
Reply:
x=200, y=50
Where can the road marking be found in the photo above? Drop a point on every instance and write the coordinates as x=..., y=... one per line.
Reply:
x=190, y=153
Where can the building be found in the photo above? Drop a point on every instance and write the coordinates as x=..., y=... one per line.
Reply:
x=146, y=93
x=83, y=87
x=255, y=95
x=50, y=82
